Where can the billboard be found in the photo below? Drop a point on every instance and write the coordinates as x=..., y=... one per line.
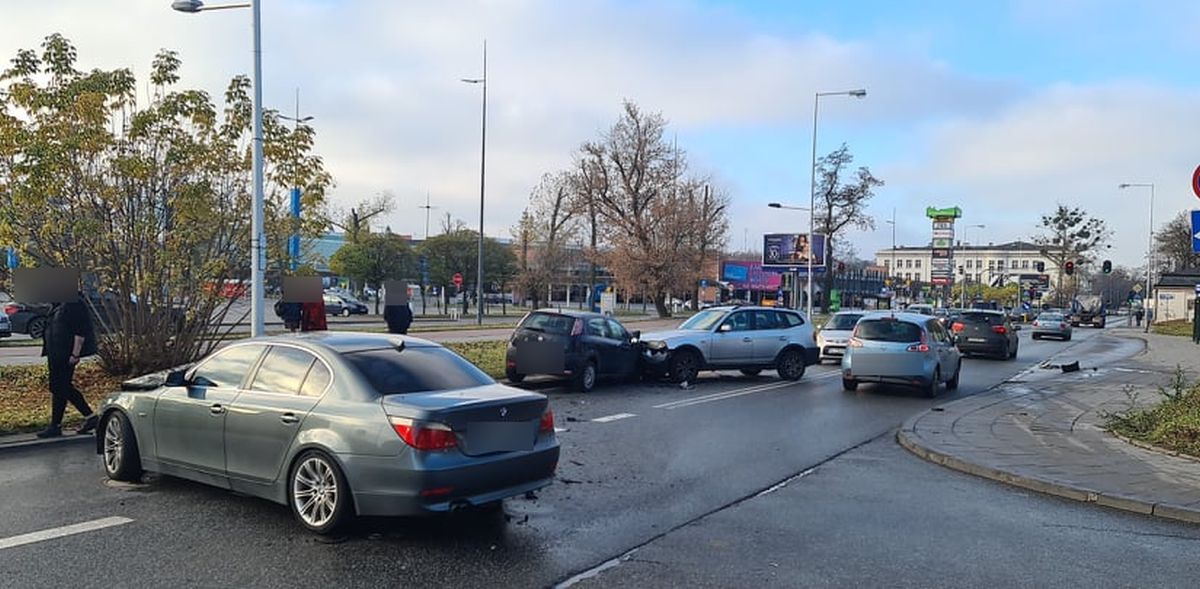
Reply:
x=792, y=250
x=749, y=276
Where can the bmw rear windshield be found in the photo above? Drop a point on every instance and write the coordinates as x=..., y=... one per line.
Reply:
x=552, y=323
x=416, y=369
x=888, y=330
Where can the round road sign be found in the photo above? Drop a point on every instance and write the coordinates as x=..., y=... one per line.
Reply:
x=457, y=279
x=1196, y=182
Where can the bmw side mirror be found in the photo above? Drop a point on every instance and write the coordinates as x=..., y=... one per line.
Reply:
x=725, y=327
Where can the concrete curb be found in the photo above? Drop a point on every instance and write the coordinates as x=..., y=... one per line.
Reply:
x=908, y=438
x=13, y=442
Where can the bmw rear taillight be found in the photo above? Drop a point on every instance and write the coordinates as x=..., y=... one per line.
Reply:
x=546, y=425
x=957, y=327
x=1000, y=329
x=11, y=309
x=424, y=435
x=577, y=329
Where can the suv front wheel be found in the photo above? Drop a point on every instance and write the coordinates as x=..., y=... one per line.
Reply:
x=685, y=365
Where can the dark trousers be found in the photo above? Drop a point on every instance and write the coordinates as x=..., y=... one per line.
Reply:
x=62, y=391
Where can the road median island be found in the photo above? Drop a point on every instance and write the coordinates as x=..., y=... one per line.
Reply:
x=1050, y=435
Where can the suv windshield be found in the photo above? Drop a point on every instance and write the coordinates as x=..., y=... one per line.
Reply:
x=704, y=320
x=888, y=330
x=414, y=370
x=552, y=323
x=841, y=322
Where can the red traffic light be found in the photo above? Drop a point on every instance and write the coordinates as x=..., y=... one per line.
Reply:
x=1069, y=268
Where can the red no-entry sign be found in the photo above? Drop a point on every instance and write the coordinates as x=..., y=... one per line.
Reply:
x=457, y=279
x=1196, y=182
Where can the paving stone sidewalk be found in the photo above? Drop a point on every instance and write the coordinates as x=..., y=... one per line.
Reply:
x=1044, y=431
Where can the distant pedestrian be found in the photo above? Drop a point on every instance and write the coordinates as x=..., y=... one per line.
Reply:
x=290, y=314
x=68, y=336
x=312, y=316
x=398, y=317
x=1138, y=315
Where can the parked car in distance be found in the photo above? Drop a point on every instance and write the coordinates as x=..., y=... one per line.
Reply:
x=989, y=333
x=579, y=345
x=834, y=336
x=1053, y=325
x=344, y=305
x=902, y=348
x=334, y=425
x=749, y=339
x=5, y=325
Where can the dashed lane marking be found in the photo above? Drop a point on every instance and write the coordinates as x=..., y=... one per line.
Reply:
x=61, y=531
x=615, y=417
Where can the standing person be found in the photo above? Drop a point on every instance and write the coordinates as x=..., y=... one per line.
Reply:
x=68, y=336
x=312, y=316
x=1141, y=312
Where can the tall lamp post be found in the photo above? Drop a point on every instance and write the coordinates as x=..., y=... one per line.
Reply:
x=812, y=193
x=257, y=243
x=777, y=205
x=482, y=81
x=1150, y=247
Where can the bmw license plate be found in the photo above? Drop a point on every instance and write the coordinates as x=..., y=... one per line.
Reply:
x=499, y=436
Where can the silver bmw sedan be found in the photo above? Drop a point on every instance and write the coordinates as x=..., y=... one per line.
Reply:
x=335, y=425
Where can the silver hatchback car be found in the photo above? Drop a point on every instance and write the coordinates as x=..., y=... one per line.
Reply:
x=335, y=425
x=902, y=348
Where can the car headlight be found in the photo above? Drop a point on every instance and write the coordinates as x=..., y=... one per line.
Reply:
x=656, y=345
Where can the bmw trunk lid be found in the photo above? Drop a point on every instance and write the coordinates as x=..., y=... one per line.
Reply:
x=485, y=419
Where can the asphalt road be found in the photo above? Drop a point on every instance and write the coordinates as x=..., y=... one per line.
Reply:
x=672, y=473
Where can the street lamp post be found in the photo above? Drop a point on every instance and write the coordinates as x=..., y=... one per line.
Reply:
x=1149, y=250
x=812, y=193
x=257, y=243
x=482, y=81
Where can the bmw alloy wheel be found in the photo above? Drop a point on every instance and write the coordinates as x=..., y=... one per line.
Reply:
x=114, y=444
x=315, y=492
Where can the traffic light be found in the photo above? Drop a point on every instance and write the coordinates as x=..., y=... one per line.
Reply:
x=1107, y=267
x=1039, y=266
x=1069, y=268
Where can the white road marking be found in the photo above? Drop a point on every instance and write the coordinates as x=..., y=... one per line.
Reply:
x=721, y=396
x=608, y=418
x=559, y=430
x=61, y=531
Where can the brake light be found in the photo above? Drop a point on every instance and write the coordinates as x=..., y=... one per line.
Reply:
x=1000, y=329
x=1035, y=323
x=957, y=327
x=424, y=435
x=546, y=425
x=577, y=329
x=855, y=343
x=921, y=347
x=11, y=309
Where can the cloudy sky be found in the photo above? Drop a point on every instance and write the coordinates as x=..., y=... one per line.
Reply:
x=1002, y=108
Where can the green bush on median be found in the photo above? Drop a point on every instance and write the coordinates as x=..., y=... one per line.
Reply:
x=1173, y=424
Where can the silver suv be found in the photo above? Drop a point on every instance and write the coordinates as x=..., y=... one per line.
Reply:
x=734, y=337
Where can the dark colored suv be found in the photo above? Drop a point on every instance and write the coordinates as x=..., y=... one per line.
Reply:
x=990, y=333
x=581, y=346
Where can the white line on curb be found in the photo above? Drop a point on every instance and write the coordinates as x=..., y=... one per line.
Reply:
x=608, y=418
x=61, y=531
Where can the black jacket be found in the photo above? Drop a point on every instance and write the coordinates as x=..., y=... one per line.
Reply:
x=398, y=318
x=63, y=323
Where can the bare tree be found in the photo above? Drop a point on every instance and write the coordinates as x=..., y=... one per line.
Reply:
x=1173, y=242
x=841, y=202
x=1071, y=235
x=356, y=222
x=548, y=225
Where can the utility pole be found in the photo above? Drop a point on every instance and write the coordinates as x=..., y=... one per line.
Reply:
x=427, y=208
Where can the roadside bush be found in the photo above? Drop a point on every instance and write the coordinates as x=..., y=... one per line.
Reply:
x=1179, y=327
x=1173, y=424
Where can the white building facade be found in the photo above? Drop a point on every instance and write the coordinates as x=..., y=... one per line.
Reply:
x=994, y=264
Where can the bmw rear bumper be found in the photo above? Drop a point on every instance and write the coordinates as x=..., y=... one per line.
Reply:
x=393, y=486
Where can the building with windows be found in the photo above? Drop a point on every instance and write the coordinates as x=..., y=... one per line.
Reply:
x=995, y=264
